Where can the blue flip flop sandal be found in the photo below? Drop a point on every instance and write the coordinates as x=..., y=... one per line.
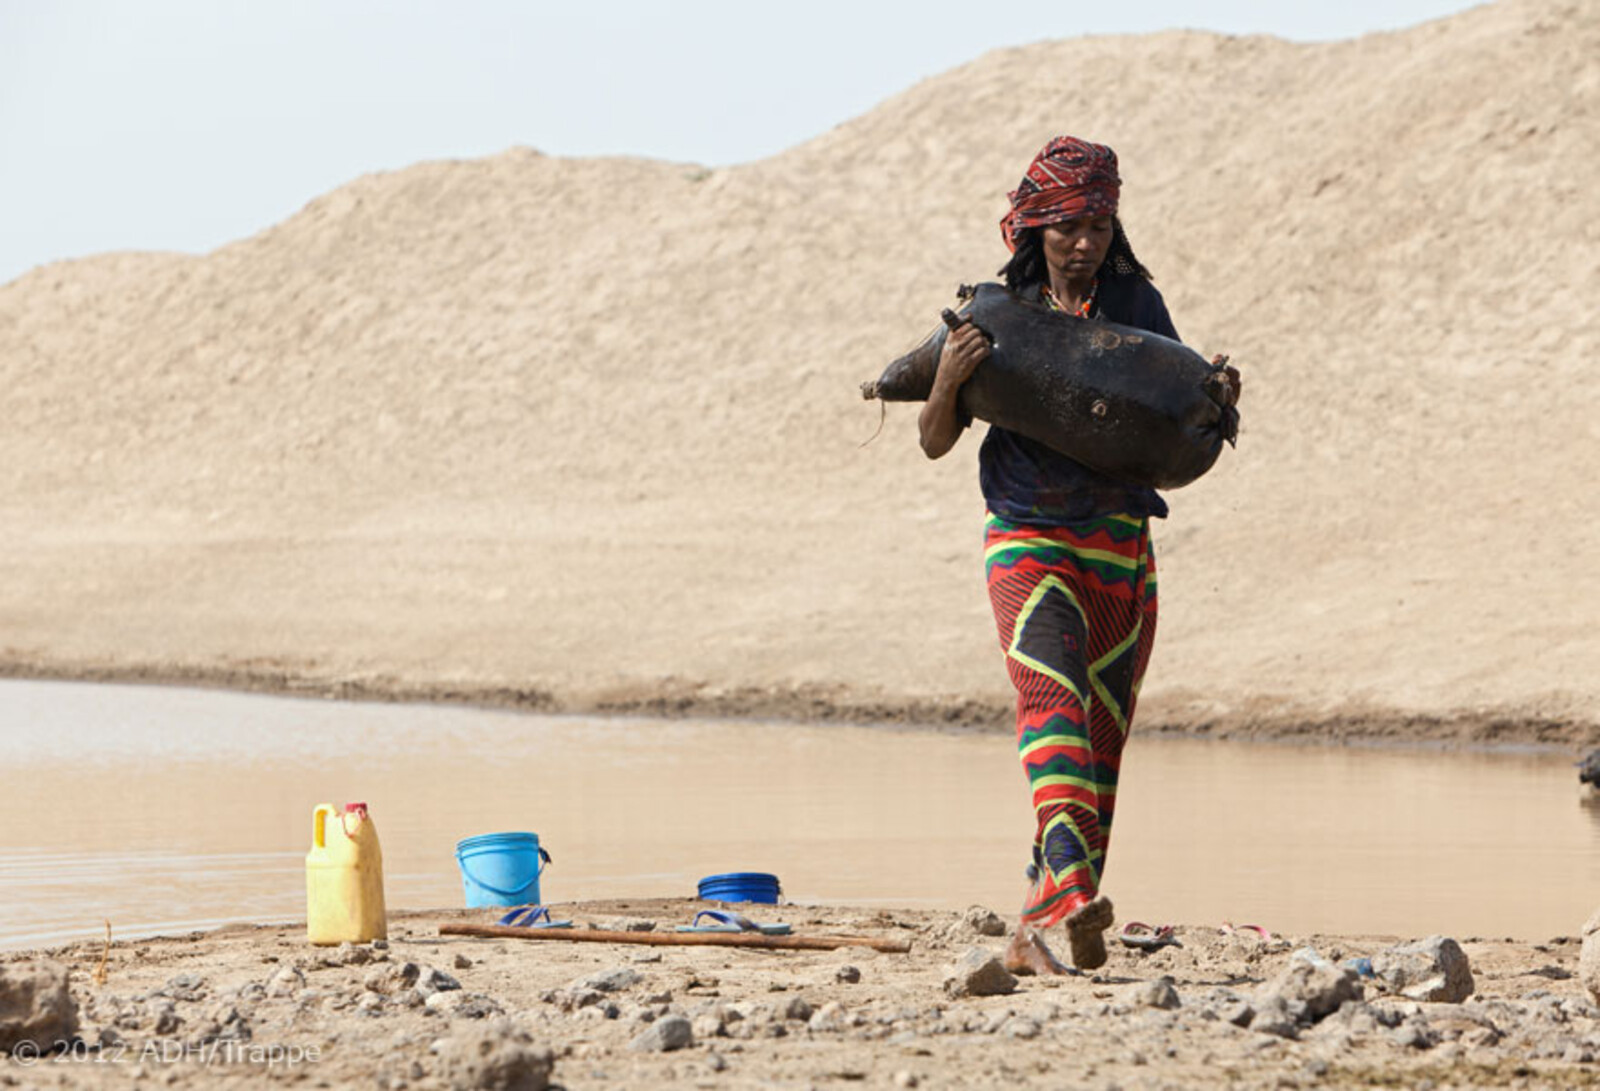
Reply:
x=532, y=916
x=726, y=920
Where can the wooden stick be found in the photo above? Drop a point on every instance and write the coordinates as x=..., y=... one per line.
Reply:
x=680, y=939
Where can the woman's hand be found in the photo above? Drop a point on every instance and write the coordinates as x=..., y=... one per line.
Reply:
x=965, y=347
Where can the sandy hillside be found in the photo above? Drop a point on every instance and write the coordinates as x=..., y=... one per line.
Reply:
x=586, y=432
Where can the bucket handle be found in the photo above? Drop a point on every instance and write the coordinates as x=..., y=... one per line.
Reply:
x=544, y=862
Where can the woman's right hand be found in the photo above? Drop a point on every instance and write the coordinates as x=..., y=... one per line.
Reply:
x=939, y=425
x=964, y=349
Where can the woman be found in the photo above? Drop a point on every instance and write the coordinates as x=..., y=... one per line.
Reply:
x=1071, y=574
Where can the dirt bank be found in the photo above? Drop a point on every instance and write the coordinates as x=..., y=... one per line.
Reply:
x=252, y=1006
x=1267, y=720
x=422, y=440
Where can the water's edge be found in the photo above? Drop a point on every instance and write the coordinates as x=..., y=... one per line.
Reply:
x=1477, y=728
x=160, y=807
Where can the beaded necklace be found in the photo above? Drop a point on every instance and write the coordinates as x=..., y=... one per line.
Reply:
x=1083, y=309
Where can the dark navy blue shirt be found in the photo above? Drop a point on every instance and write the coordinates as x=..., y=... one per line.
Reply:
x=1025, y=482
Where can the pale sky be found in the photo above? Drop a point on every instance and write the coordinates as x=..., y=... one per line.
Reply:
x=185, y=124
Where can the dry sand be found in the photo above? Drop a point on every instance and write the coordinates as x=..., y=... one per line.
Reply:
x=211, y=1010
x=584, y=434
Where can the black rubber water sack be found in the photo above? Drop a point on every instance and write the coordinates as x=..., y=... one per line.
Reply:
x=1137, y=407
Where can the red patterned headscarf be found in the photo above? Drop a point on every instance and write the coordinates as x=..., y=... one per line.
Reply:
x=1068, y=179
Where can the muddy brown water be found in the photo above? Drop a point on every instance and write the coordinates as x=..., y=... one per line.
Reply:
x=164, y=809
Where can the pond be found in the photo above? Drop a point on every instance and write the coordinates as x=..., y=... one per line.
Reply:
x=164, y=809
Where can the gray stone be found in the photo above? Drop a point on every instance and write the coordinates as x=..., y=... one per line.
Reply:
x=978, y=973
x=36, y=1006
x=1220, y=1003
x=461, y=962
x=1577, y=1007
x=666, y=1034
x=706, y=1026
x=435, y=981
x=983, y=921
x=798, y=1009
x=1434, y=970
x=167, y=1021
x=831, y=1016
x=1272, y=1016
x=405, y=974
x=1414, y=1034
x=1589, y=958
x=286, y=982
x=1159, y=993
x=1359, y=1017
x=1021, y=1027
x=462, y=1005
x=574, y=999
x=609, y=981
x=350, y=954
x=230, y=1023
x=1310, y=991
x=496, y=1057
x=847, y=975
x=186, y=987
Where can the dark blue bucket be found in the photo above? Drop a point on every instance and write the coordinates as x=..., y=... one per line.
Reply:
x=741, y=886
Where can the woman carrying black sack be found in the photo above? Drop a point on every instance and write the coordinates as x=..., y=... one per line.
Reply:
x=1071, y=572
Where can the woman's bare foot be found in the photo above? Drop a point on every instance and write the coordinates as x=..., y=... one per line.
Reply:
x=1026, y=954
x=1085, y=928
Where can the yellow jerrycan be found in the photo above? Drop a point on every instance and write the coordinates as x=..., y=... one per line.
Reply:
x=344, y=877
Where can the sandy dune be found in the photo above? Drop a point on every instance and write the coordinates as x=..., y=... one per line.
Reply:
x=585, y=433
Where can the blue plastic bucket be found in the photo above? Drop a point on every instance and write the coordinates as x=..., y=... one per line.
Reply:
x=741, y=886
x=501, y=868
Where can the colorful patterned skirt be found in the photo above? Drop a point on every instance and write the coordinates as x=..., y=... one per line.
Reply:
x=1076, y=611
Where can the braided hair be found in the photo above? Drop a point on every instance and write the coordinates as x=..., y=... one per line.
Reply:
x=1027, y=266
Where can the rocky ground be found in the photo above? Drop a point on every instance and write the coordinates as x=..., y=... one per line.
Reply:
x=244, y=1007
